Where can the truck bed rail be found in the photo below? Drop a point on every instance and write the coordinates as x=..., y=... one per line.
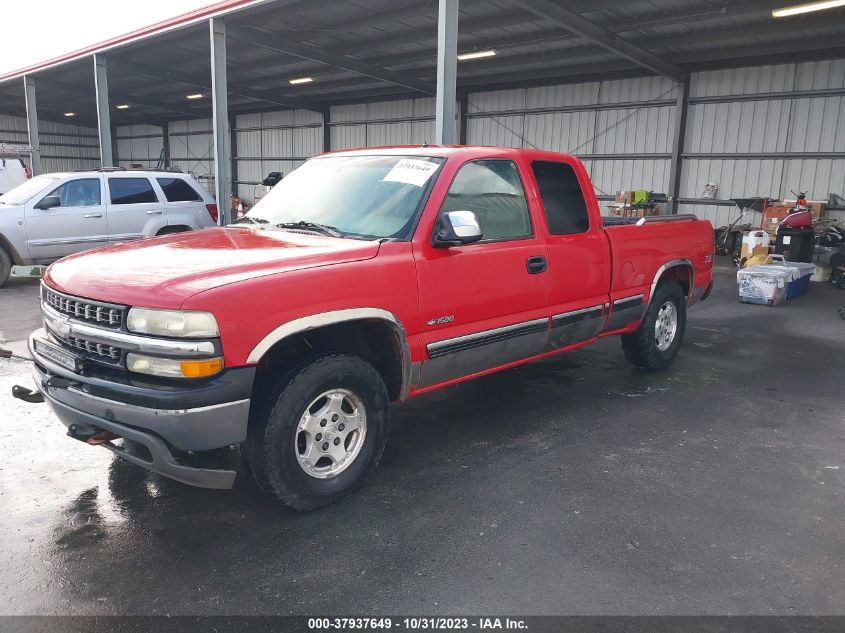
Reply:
x=617, y=221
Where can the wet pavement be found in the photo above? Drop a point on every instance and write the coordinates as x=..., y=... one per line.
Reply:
x=574, y=485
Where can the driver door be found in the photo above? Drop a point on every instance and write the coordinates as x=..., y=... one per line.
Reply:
x=77, y=224
x=483, y=305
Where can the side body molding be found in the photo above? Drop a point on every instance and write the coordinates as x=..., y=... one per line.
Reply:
x=315, y=321
x=672, y=263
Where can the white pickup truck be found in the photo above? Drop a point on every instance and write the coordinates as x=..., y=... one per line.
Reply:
x=53, y=215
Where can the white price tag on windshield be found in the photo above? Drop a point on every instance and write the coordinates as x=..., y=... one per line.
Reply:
x=411, y=172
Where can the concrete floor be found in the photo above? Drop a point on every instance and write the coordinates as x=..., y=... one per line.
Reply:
x=575, y=485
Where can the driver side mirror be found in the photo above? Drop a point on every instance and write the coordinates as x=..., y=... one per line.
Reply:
x=456, y=228
x=49, y=202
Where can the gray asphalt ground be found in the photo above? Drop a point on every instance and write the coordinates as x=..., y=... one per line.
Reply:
x=577, y=485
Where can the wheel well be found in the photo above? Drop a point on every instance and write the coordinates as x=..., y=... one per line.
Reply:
x=174, y=228
x=374, y=341
x=10, y=251
x=682, y=275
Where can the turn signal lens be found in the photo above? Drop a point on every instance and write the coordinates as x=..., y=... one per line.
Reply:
x=173, y=368
x=201, y=368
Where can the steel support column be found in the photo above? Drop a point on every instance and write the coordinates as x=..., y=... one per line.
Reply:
x=447, y=71
x=101, y=87
x=233, y=145
x=220, y=121
x=463, y=103
x=165, y=144
x=678, y=135
x=327, y=129
x=32, y=124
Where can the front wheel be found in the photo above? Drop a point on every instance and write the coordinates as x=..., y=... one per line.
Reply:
x=5, y=266
x=322, y=433
x=656, y=342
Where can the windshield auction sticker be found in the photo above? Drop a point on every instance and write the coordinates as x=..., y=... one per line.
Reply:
x=411, y=172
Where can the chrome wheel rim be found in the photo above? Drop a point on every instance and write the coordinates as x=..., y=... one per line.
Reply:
x=330, y=433
x=666, y=326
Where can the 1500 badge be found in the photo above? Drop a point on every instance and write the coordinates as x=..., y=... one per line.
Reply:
x=441, y=320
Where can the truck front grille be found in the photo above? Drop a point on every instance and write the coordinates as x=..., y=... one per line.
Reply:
x=98, y=350
x=105, y=314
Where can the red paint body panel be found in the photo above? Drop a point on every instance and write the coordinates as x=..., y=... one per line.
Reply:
x=165, y=271
x=254, y=281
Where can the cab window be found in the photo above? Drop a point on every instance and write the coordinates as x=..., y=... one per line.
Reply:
x=78, y=193
x=562, y=198
x=493, y=191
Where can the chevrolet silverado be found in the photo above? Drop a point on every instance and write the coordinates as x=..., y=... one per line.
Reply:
x=364, y=277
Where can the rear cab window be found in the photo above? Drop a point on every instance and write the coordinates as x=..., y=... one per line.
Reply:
x=563, y=200
x=177, y=190
x=131, y=191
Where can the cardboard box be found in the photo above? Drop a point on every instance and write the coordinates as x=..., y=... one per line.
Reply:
x=754, y=243
x=624, y=197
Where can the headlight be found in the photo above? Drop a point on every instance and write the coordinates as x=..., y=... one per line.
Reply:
x=178, y=323
x=173, y=368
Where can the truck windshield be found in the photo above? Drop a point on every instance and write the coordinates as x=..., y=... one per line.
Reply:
x=360, y=196
x=26, y=190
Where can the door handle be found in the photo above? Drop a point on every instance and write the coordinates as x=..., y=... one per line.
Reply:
x=93, y=215
x=535, y=265
x=154, y=212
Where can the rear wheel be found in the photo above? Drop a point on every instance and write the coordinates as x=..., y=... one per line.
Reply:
x=322, y=432
x=656, y=342
x=5, y=266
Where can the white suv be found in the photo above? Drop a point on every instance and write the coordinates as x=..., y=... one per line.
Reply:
x=53, y=215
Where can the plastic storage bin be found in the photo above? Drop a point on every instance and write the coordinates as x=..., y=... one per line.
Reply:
x=764, y=285
x=800, y=274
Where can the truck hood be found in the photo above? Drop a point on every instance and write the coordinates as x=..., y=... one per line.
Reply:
x=164, y=272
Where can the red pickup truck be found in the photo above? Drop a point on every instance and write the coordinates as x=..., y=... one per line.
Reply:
x=364, y=277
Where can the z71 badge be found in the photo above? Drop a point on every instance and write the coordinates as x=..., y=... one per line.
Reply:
x=441, y=320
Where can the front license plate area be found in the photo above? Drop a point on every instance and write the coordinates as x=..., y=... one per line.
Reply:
x=60, y=356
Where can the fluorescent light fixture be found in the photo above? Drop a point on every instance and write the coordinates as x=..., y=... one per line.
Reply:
x=196, y=95
x=476, y=55
x=300, y=80
x=70, y=114
x=798, y=9
x=123, y=106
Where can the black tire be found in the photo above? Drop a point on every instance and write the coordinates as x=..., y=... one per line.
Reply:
x=640, y=347
x=5, y=266
x=272, y=442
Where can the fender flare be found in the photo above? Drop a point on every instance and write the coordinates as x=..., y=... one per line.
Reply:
x=323, y=319
x=673, y=263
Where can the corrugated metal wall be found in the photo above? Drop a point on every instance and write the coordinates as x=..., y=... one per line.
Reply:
x=408, y=121
x=63, y=147
x=274, y=141
x=139, y=145
x=788, y=128
x=758, y=131
x=621, y=129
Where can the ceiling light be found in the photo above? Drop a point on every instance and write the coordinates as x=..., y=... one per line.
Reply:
x=196, y=95
x=476, y=55
x=123, y=106
x=798, y=9
x=70, y=113
x=301, y=80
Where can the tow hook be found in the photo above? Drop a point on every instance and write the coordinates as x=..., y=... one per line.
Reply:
x=27, y=395
x=90, y=434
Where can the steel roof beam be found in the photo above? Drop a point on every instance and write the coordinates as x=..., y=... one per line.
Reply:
x=188, y=79
x=275, y=43
x=554, y=12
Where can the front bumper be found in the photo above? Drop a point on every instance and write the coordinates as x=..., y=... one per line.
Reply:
x=172, y=418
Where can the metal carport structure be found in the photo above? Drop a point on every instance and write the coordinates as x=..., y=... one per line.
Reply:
x=241, y=56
